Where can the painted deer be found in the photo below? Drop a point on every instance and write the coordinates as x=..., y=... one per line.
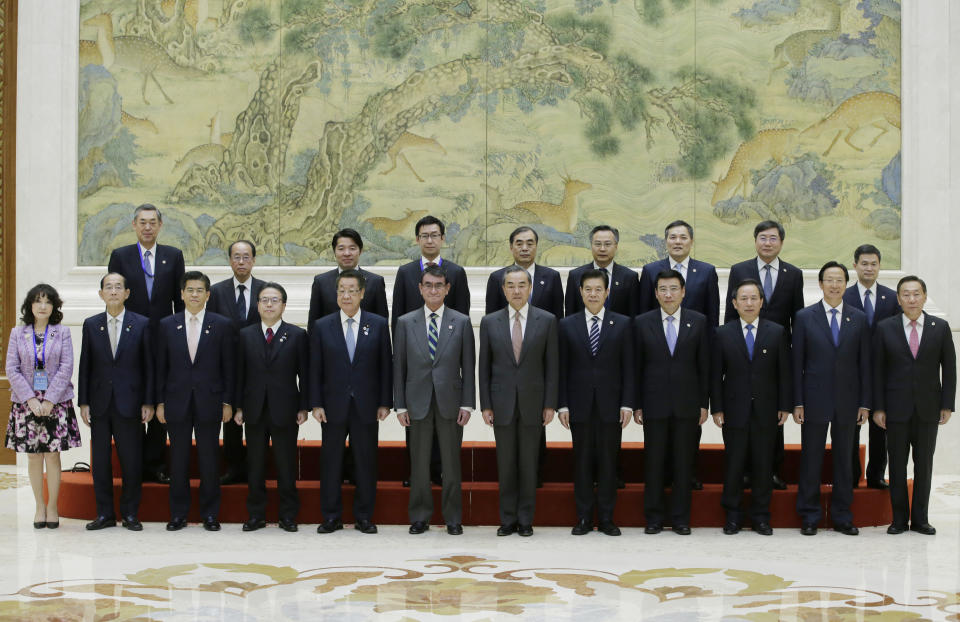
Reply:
x=874, y=108
x=400, y=226
x=794, y=49
x=765, y=146
x=210, y=153
x=562, y=216
x=410, y=141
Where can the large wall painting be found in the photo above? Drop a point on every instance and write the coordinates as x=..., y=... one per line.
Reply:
x=282, y=121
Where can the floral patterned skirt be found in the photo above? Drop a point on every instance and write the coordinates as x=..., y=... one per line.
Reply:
x=27, y=433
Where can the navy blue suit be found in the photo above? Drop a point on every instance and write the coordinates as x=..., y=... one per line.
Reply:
x=547, y=291
x=831, y=383
x=406, y=289
x=624, y=291
x=323, y=295
x=350, y=394
x=115, y=388
x=701, y=284
x=193, y=395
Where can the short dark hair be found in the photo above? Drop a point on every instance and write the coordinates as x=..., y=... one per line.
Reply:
x=147, y=207
x=36, y=292
x=678, y=223
x=276, y=286
x=434, y=271
x=353, y=234
x=593, y=273
x=104, y=278
x=253, y=247
x=908, y=279
x=352, y=274
x=754, y=282
x=429, y=220
x=194, y=275
x=599, y=228
x=669, y=273
x=834, y=264
x=523, y=229
x=510, y=270
x=866, y=249
x=769, y=224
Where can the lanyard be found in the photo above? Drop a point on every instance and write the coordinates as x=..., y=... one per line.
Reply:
x=37, y=363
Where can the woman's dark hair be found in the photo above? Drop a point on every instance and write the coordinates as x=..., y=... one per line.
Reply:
x=36, y=292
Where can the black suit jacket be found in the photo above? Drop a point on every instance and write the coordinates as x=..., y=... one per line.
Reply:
x=607, y=378
x=624, y=291
x=547, y=291
x=167, y=271
x=208, y=379
x=831, y=382
x=406, y=289
x=270, y=373
x=223, y=301
x=904, y=386
x=884, y=306
x=740, y=385
x=323, y=295
x=126, y=379
x=677, y=385
x=702, y=289
x=334, y=380
x=787, y=296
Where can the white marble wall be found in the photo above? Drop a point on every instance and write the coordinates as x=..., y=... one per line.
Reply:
x=47, y=173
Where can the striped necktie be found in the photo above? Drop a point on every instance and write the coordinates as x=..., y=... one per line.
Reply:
x=595, y=335
x=433, y=336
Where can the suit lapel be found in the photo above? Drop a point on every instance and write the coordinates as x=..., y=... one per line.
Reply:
x=657, y=327
x=444, y=329
x=683, y=327
x=605, y=330
x=362, y=336
x=929, y=325
x=104, y=340
x=206, y=328
x=506, y=331
x=420, y=336
x=583, y=331
x=741, y=339
x=824, y=323
x=527, y=334
x=279, y=339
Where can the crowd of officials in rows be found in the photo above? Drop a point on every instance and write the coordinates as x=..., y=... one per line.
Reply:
x=173, y=356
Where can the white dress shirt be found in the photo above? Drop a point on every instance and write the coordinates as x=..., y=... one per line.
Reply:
x=119, y=318
x=356, y=324
x=264, y=327
x=684, y=266
x=524, y=311
x=863, y=294
x=676, y=320
x=743, y=328
x=774, y=270
x=152, y=259
x=907, y=329
x=426, y=317
x=827, y=309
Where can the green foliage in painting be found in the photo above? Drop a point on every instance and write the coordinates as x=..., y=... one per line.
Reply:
x=592, y=33
x=256, y=26
x=393, y=39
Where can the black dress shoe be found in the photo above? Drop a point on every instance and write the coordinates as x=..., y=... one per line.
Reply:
x=211, y=524
x=808, y=529
x=418, y=527
x=847, y=529
x=506, y=530
x=609, y=529
x=406, y=483
x=365, y=526
x=778, y=483
x=764, y=529
x=896, y=530
x=747, y=483
x=653, y=528
x=926, y=529
x=288, y=525
x=681, y=530
x=731, y=528
x=696, y=484
x=176, y=524
x=230, y=477
x=160, y=477
x=455, y=530
x=329, y=526
x=582, y=527
x=101, y=522
x=880, y=484
x=254, y=523
x=132, y=523
x=525, y=530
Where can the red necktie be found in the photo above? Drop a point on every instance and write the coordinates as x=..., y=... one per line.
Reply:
x=269, y=335
x=914, y=339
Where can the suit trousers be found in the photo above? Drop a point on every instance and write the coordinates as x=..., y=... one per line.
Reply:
x=813, y=439
x=673, y=437
x=154, y=447
x=127, y=432
x=776, y=448
x=518, y=449
x=284, y=441
x=207, y=434
x=234, y=453
x=436, y=462
x=363, y=443
x=750, y=446
x=450, y=436
x=595, y=450
x=876, y=453
x=921, y=436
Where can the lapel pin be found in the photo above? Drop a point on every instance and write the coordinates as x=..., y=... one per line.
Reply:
x=933, y=323
x=688, y=324
x=101, y=328
x=616, y=282
x=611, y=322
x=848, y=319
x=164, y=261
x=366, y=329
x=128, y=328
x=449, y=326
x=883, y=296
x=541, y=282
x=694, y=269
x=206, y=332
x=179, y=326
x=764, y=350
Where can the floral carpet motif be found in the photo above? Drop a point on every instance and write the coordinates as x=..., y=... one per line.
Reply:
x=468, y=586
x=949, y=488
x=12, y=480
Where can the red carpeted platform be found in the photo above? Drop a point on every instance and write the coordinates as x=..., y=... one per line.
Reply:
x=555, y=505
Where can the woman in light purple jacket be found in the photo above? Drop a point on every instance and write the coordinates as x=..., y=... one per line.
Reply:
x=42, y=419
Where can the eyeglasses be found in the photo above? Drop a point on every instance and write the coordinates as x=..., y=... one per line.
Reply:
x=430, y=236
x=669, y=290
x=241, y=258
x=768, y=238
x=195, y=290
x=348, y=292
x=604, y=244
x=270, y=301
x=433, y=286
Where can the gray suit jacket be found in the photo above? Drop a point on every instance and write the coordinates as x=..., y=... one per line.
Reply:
x=532, y=382
x=450, y=376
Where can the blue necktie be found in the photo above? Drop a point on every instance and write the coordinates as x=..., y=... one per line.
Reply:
x=595, y=336
x=868, y=307
x=433, y=337
x=767, y=283
x=351, y=341
x=835, y=327
x=147, y=274
x=749, y=339
x=671, y=334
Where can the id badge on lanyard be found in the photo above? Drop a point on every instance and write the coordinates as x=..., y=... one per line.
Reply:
x=39, y=372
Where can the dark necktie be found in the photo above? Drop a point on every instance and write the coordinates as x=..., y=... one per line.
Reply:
x=242, y=303
x=433, y=337
x=595, y=335
x=269, y=336
x=868, y=307
x=835, y=328
x=749, y=339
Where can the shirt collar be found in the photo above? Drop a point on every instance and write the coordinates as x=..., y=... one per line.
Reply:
x=685, y=263
x=827, y=308
x=143, y=249
x=247, y=285
x=920, y=321
x=123, y=312
x=275, y=327
x=664, y=315
x=774, y=265
x=609, y=267
x=424, y=261
x=524, y=310
x=344, y=316
x=590, y=315
x=743, y=324
x=340, y=270
x=187, y=315
x=427, y=312
x=873, y=291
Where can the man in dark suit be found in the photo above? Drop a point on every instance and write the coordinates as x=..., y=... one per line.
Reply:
x=877, y=302
x=596, y=399
x=782, y=294
x=195, y=375
x=915, y=384
x=347, y=247
x=673, y=382
x=519, y=378
x=351, y=390
x=831, y=370
x=115, y=393
x=272, y=356
x=236, y=298
x=624, y=297
x=750, y=396
x=153, y=272
x=434, y=392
